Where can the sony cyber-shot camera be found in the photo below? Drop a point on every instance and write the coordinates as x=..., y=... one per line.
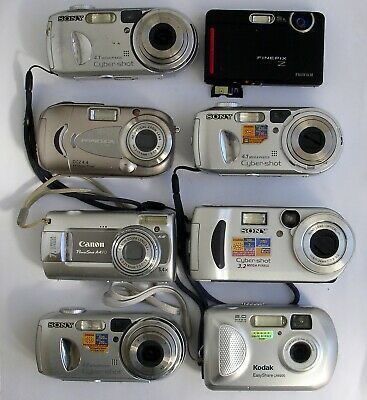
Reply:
x=229, y=139
x=269, y=244
x=119, y=43
x=117, y=246
x=99, y=140
x=268, y=348
x=252, y=47
x=80, y=345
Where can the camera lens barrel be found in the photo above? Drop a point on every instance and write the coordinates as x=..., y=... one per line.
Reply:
x=301, y=353
x=302, y=22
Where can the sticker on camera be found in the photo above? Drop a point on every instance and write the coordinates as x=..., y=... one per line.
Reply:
x=262, y=335
x=96, y=342
x=252, y=134
x=251, y=247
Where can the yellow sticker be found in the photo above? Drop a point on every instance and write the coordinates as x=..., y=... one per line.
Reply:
x=262, y=335
x=252, y=134
x=96, y=342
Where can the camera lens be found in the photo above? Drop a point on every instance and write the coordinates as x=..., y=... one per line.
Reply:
x=324, y=243
x=150, y=354
x=312, y=140
x=302, y=21
x=162, y=36
x=300, y=352
x=146, y=140
x=133, y=252
x=290, y=218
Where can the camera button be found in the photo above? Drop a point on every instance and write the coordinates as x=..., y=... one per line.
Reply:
x=81, y=7
x=227, y=105
x=72, y=311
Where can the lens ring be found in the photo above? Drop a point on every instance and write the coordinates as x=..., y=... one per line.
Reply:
x=174, y=49
x=147, y=240
x=312, y=141
x=304, y=249
x=302, y=22
x=152, y=348
x=301, y=353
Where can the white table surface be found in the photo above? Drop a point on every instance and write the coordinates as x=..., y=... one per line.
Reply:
x=26, y=294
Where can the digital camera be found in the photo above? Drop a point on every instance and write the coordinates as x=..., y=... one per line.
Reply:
x=252, y=47
x=229, y=139
x=269, y=244
x=99, y=140
x=116, y=246
x=268, y=348
x=79, y=345
x=119, y=43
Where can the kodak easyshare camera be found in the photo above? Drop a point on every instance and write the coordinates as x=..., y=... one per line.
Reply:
x=99, y=140
x=269, y=244
x=119, y=43
x=268, y=348
x=79, y=345
x=229, y=139
x=253, y=47
x=117, y=246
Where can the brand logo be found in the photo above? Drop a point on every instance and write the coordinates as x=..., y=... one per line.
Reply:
x=219, y=116
x=280, y=60
x=60, y=324
x=98, y=141
x=264, y=367
x=254, y=230
x=70, y=18
x=304, y=74
x=91, y=244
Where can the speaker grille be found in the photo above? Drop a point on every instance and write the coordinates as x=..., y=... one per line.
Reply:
x=232, y=350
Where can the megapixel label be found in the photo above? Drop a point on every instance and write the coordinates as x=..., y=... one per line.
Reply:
x=254, y=133
x=96, y=342
x=251, y=247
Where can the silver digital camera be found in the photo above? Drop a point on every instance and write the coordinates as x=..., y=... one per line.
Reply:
x=229, y=139
x=116, y=246
x=268, y=348
x=99, y=140
x=119, y=43
x=79, y=345
x=269, y=244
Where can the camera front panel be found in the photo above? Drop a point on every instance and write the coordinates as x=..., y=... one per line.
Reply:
x=268, y=348
x=109, y=246
x=264, y=244
x=265, y=141
x=98, y=140
x=277, y=47
x=79, y=345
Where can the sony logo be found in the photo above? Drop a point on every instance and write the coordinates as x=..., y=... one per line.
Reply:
x=60, y=324
x=219, y=116
x=254, y=230
x=70, y=18
x=91, y=244
x=264, y=367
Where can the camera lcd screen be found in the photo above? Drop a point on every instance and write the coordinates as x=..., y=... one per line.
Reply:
x=252, y=218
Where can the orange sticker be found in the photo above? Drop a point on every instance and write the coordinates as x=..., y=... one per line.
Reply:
x=96, y=342
x=252, y=134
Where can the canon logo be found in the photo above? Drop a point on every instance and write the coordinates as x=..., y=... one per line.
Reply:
x=254, y=230
x=91, y=244
x=60, y=324
x=70, y=18
x=264, y=367
x=219, y=116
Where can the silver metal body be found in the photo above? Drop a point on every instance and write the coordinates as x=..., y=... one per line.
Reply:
x=119, y=43
x=254, y=244
x=117, y=246
x=99, y=140
x=233, y=140
x=255, y=348
x=79, y=345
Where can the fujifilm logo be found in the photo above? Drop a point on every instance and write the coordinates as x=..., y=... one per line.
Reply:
x=280, y=60
x=91, y=244
x=70, y=18
x=264, y=367
x=219, y=116
x=254, y=230
x=60, y=325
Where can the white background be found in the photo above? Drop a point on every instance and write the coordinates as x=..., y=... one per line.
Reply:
x=26, y=294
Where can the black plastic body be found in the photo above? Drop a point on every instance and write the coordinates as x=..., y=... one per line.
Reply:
x=238, y=51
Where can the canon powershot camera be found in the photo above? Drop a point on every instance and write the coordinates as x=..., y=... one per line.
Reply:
x=229, y=139
x=269, y=244
x=79, y=345
x=268, y=348
x=117, y=246
x=119, y=43
x=99, y=140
